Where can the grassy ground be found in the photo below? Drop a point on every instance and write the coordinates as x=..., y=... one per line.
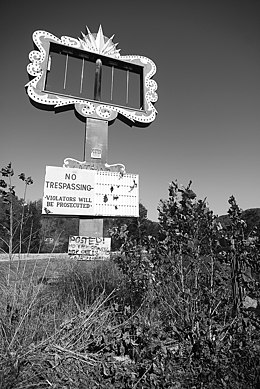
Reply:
x=36, y=269
x=85, y=330
x=34, y=315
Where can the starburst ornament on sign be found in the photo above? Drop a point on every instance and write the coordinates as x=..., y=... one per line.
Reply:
x=98, y=43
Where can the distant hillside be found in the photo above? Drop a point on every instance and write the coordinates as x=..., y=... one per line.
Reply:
x=251, y=217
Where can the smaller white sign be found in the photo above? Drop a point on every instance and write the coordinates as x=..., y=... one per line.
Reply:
x=89, y=248
x=96, y=153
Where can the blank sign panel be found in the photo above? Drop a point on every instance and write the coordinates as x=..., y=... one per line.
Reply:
x=73, y=73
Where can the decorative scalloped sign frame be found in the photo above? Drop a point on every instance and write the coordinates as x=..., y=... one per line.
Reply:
x=96, y=43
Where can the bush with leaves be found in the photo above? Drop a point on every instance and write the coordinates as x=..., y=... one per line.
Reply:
x=13, y=214
x=196, y=287
x=177, y=313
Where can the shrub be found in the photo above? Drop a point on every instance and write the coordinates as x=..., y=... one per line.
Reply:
x=180, y=312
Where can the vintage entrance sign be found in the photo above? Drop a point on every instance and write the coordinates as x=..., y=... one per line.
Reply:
x=63, y=71
x=89, y=248
x=80, y=192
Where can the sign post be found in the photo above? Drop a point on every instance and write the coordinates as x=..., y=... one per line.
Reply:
x=95, y=150
x=90, y=75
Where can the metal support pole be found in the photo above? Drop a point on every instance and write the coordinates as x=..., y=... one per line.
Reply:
x=96, y=145
x=112, y=83
x=81, y=76
x=98, y=76
x=95, y=150
x=127, y=86
x=65, y=72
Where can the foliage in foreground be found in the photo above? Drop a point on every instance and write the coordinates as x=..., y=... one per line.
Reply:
x=15, y=215
x=179, y=312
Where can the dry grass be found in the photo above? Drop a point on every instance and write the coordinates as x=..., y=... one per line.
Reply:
x=55, y=357
x=45, y=326
x=35, y=268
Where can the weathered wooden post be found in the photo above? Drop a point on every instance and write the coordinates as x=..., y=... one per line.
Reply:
x=91, y=189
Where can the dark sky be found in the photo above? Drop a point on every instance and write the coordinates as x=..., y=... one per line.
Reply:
x=208, y=122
